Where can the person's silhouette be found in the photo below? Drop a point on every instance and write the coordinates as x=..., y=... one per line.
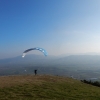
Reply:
x=35, y=71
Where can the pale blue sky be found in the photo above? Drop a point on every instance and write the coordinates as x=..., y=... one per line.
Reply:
x=59, y=26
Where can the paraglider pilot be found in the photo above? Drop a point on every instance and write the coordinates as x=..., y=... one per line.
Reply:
x=35, y=71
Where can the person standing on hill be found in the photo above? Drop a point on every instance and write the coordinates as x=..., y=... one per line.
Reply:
x=35, y=71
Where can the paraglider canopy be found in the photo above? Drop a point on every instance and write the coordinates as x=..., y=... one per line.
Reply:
x=37, y=48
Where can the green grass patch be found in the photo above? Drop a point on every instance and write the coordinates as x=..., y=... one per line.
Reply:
x=49, y=88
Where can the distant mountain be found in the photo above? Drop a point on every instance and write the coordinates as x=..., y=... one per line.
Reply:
x=36, y=59
x=92, y=60
x=80, y=60
x=77, y=66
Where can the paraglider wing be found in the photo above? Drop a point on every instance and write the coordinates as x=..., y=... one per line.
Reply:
x=37, y=48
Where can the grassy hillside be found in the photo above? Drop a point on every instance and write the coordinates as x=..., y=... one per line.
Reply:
x=45, y=87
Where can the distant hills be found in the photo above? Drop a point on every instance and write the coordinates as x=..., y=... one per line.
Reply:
x=76, y=66
x=40, y=59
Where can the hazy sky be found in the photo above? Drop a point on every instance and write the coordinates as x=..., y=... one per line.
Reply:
x=59, y=26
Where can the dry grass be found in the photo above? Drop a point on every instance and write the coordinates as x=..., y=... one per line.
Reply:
x=6, y=81
x=46, y=87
